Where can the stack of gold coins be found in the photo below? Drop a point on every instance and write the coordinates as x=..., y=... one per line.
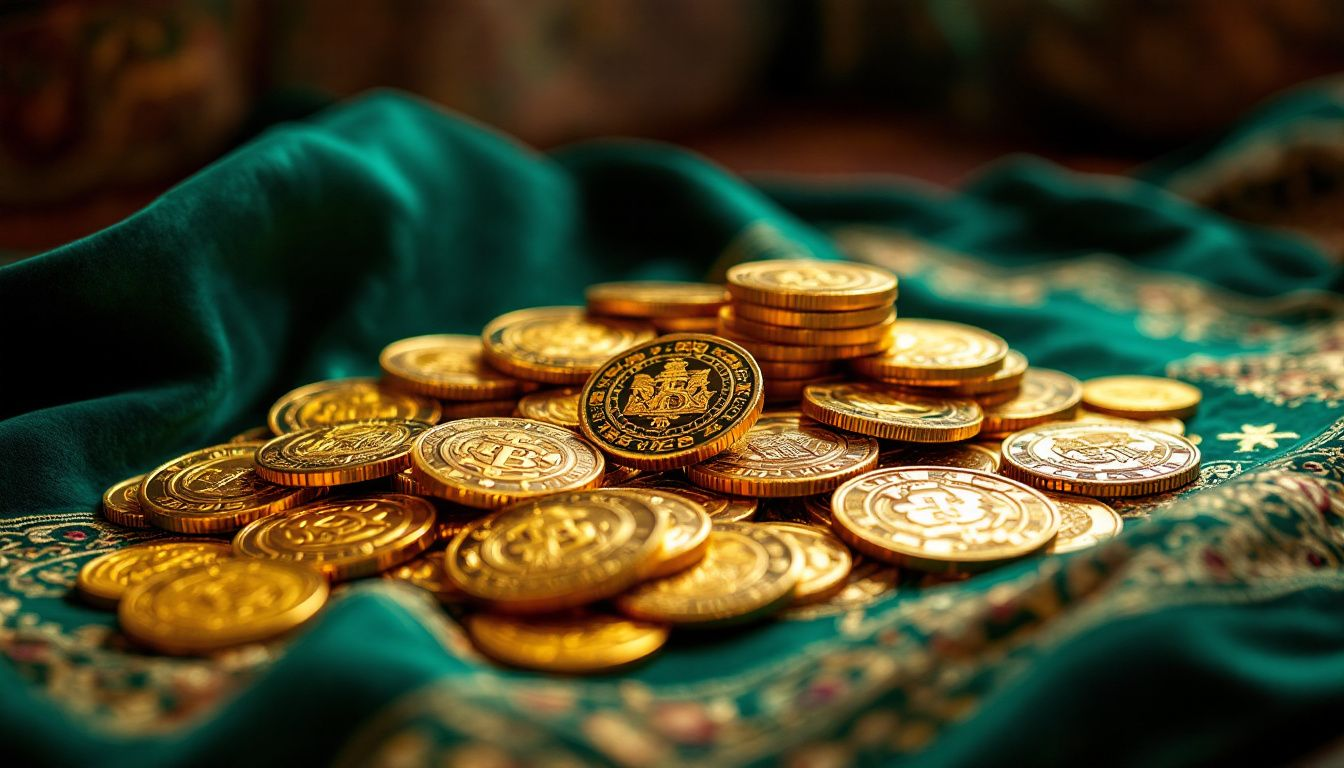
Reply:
x=672, y=307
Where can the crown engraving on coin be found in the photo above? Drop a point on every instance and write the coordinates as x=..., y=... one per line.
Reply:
x=674, y=391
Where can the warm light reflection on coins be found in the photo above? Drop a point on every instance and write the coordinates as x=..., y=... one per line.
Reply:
x=446, y=366
x=578, y=643
x=886, y=412
x=687, y=529
x=103, y=580
x=553, y=406
x=868, y=334
x=826, y=562
x=1046, y=395
x=811, y=284
x=214, y=490
x=1174, y=426
x=121, y=504
x=1084, y=523
x=655, y=298
x=342, y=400
x=1141, y=397
x=960, y=455
x=337, y=454
x=1108, y=460
x=786, y=454
x=427, y=572
x=869, y=581
x=721, y=508
x=935, y=352
x=558, y=345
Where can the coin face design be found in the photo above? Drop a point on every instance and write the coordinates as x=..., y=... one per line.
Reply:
x=1045, y=395
x=1141, y=397
x=1084, y=522
x=686, y=526
x=959, y=455
x=886, y=412
x=942, y=519
x=671, y=402
x=826, y=562
x=341, y=400
x=448, y=366
x=339, y=453
x=556, y=406
x=214, y=490
x=786, y=454
x=560, y=345
x=103, y=580
x=573, y=644
x=721, y=508
x=936, y=351
x=811, y=284
x=121, y=504
x=490, y=462
x=655, y=298
x=1108, y=460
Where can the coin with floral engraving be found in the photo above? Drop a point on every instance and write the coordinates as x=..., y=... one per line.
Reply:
x=558, y=345
x=338, y=454
x=214, y=490
x=1046, y=395
x=687, y=529
x=103, y=580
x=1084, y=522
x=786, y=454
x=886, y=412
x=721, y=508
x=812, y=284
x=121, y=503
x=656, y=298
x=1141, y=397
x=446, y=366
x=553, y=406
x=341, y=400
x=826, y=562
x=1107, y=460
x=932, y=352
x=572, y=643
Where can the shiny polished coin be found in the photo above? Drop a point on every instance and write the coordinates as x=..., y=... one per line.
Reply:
x=253, y=435
x=721, y=508
x=942, y=519
x=558, y=552
x=786, y=454
x=793, y=353
x=812, y=284
x=931, y=352
x=656, y=298
x=1174, y=426
x=426, y=571
x=341, y=400
x=885, y=412
x=1084, y=523
x=959, y=455
x=826, y=562
x=338, y=454
x=553, y=406
x=791, y=318
x=672, y=402
x=1141, y=397
x=103, y=580
x=780, y=334
x=446, y=366
x=687, y=534
x=749, y=571
x=571, y=644
x=1007, y=379
x=214, y=490
x=1108, y=460
x=217, y=605
x=1046, y=395
x=558, y=345
x=774, y=370
x=121, y=504
x=344, y=538
x=489, y=463
x=686, y=324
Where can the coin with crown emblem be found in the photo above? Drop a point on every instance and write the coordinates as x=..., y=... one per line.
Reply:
x=121, y=503
x=342, y=400
x=558, y=345
x=103, y=580
x=574, y=643
x=786, y=454
x=811, y=284
x=1106, y=460
x=338, y=454
x=887, y=412
x=214, y=490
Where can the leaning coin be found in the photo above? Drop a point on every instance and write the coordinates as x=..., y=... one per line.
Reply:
x=573, y=643
x=103, y=580
x=1107, y=460
x=812, y=284
x=1084, y=523
x=786, y=454
x=826, y=562
x=339, y=454
x=214, y=490
x=558, y=345
x=446, y=366
x=886, y=412
x=721, y=508
x=1046, y=395
x=656, y=299
x=932, y=352
x=687, y=529
x=121, y=504
x=1141, y=397
x=553, y=406
x=341, y=400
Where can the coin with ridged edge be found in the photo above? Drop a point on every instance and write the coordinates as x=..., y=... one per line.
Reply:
x=214, y=490
x=655, y=298
x=1107, y=460
x=959, y=455
x=1046, y=395
x=573, y=644
x=104, y=580
x=826, y=562
x=931, y=352
x=687, y=529
x=791, y=318
x=558, y=345
x=797, y=353
x=786, y=454
x=1174, y=426
x=121, y=504
x=491, y=462
x=720, y=507
x=671, y=402
x=340, y=400
x=1141, y=397
x=779, y=334
x=338, y=454
x=811, y=284
x=886, y=412
x=553, y=406
x=447, y=366
x=1084, y=523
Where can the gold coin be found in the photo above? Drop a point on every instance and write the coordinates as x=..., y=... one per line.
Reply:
x=686, y=324
x=479, y=409
x=446, y=366
x=572, y=644
x=344, y=538
x=780, y=334
x=656, y=298
x=557, y=552
x=687, y=529
x=617, y=475
x=1141, y=397
x=932, y=352
x=1084, y=523
x=868, y=582
x=885, y=412
x=103, y=580
x=558, y=345
x=818, y=509
x=1108, y=460
x=489, y=463
x=426, y=571
x=217, y=605
x=341, y=400
x=779, y=392
x=672, y=402
x=942, y=519
x=1174, y=426
x=404, y=482
x=338, y=454
x=811, y=284
x=990, y=399
x=721, y=508
x=793, y=353
x=818, y=320
x=253, y=435
x=786, y=454
x=826, y=562
x=553, y=406
x=1007, y=379
x=959, y=455
x=214, y=490
x=1046, y=395
x=774, y=370
x=121, y=504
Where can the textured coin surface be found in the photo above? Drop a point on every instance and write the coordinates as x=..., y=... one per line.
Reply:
x=1004, y=380
x=344, y=538
x=446, y=366
x=558, y=345
x=214, y=490
x=780, y=334
x=1141, y=397
x=720, y=507
x=686, y=534
x=942, y=519
x=427, y=572
x=960, y=455
x=490, y=462
x=221, y=604
x=558, y=552
x=581, y=643
x=656, y=298
x=1083, y=523
x=121, y=503
x=799, y=353
x=786, y=454
x=886, y=412
x=103, y=580
x=337, y=454
x=749, y=570
x=826, y=562
x=810, y=284
x=1108, y=460
x=672, y=402
x=791, y=318
x=341, y=400
x=1046, y=395
x=1174, y=426
x=553, y=406
x=935, y=352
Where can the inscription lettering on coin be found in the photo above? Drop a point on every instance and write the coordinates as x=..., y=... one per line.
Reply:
x=786, y=454
x=1100, y=459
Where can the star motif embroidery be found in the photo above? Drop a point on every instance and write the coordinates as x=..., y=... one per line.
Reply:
x=1253, y=438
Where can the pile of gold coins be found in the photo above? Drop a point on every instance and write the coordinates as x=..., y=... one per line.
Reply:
x=578, y=482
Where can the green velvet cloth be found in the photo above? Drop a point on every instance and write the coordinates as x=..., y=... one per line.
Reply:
x=1212, y=629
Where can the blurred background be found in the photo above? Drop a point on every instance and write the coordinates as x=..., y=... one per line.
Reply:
x=103, y=105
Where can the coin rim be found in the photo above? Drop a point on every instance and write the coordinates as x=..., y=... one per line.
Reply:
x=705, y=476
x=890, y=430
x=552, y=373
x=623, y=655
x=620, y=303
x=422, y=384
x=813, y=300
x=1106, y=489
x=435, y=411
x=338, y=475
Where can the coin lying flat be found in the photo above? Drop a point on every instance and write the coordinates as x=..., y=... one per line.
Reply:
x=811, y=284
x=491, y=462
x=826, y=562
x=214, y=490
x=1174, y=426
x=338, y=454
x=721, y=508
x=553, y=406
x=932, y=352
x=344, y=538
x=426, y=571
x=1084, y=523
x=671, y=402
x=1046, y=395
x=582, y=643
x=558, y=345
x=217, y=605
x=749, y=571
x=561, y=551
x=656, y=298
x=342, y=400
x=1108, y=460
x=959, y=455
x=446, y=366
x=886, y=412
x=121, y=504
x=1141, y=397
x=941, y=519
x=786, y=454
x=798, y=353
x=1007, y=379
x=103, y=580
x=780, y=334
x=791, y=318
x=687, y=529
